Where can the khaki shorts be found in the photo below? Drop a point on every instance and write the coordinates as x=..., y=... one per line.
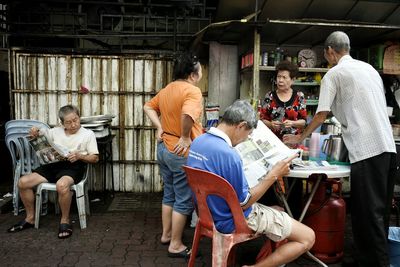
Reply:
x=275, y=224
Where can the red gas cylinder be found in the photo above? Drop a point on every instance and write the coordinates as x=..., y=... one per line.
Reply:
x=326, y=216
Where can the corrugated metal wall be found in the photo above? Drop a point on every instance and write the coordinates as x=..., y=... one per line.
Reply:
x=119, y=85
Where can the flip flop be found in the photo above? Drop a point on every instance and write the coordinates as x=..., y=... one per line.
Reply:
x=165, y=243
x=18, y=227
x=185, y=254
x=64, y=228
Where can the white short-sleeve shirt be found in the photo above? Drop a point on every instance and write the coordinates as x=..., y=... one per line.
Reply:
x=354, y=92
x=83, y=141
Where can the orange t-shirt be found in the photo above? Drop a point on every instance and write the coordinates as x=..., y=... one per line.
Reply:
x=171, y=102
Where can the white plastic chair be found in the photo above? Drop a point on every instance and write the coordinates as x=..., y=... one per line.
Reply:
x=82, y=199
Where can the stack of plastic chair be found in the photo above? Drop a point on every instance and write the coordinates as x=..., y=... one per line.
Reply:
x=203, y=184
x=23, y=157
x=81, y=194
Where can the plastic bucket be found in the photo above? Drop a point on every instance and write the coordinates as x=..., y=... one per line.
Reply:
x=394, y=246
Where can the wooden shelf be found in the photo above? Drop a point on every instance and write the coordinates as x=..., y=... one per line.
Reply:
x=297, y=83
x=272, y=68
x=313, y=69
x=311, y=102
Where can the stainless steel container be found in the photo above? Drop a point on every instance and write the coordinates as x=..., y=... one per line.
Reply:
x=329, y=128
x=396, y=129
x=335, y=149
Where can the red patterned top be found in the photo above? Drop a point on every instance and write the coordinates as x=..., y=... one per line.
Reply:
x=274, y=109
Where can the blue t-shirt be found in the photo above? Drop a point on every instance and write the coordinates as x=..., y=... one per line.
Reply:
x=212, y=153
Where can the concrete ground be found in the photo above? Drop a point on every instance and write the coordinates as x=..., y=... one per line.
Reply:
x=123, y=232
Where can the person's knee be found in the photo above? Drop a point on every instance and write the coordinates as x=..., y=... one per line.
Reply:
x=303, y=235
x=63, y=187
x=184, y=210
x=21, y=182
x=309, y=238
x=24, y=181
x=183, y=204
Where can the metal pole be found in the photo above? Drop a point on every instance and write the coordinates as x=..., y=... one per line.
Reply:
x=256, y=65
x=256, y=69
x=335, y=24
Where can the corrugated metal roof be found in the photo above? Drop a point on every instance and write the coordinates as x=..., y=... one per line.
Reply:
x=304, y=22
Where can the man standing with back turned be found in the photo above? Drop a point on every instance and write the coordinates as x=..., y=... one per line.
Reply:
x=354, y=92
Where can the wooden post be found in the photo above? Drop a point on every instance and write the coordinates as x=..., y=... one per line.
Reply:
x=255, y=90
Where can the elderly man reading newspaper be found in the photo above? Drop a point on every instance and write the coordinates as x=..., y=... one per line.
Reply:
x=213, y=151
x=82, y=147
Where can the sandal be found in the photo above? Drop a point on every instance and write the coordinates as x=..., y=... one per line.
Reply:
x=64, y=231
x=18, y=227
x=165, y=243
x=183, y=254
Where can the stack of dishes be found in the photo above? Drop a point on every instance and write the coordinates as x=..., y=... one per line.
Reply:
x=99, y=124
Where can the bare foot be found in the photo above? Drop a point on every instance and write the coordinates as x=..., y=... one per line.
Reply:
x=180, y=249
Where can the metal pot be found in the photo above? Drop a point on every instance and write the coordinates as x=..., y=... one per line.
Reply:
x=329, y=128
x=335, y=149
x=396, y=129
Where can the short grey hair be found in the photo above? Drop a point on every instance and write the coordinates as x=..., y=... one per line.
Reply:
x=338, y=41
x=240, y=111
x=67, y=109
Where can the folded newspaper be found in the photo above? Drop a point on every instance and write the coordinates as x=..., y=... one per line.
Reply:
x=311, y=164
x=47, y=151
x=262, y=150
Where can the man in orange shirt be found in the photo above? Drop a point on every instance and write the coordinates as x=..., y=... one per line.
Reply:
x=176, y=112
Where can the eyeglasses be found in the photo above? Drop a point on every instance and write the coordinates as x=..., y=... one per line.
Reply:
x=283, y=77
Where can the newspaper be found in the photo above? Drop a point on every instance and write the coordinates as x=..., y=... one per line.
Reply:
x=262, y=150
x=47, y=151
x=310, y=165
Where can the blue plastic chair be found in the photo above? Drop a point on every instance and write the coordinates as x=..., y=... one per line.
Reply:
x=16, y=129
x=24, y=124
x=23, y=156
x=15, y=146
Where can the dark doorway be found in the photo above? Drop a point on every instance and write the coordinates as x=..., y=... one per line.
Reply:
x=6, y=177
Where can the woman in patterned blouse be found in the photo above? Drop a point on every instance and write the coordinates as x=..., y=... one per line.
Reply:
x=284, y=110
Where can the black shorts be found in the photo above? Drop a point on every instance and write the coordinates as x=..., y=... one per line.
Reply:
x=54, y=171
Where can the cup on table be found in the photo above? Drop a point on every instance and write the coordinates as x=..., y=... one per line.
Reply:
x=389, y=111
x=314, y=145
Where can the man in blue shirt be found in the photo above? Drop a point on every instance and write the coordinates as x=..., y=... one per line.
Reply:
x=213, y=151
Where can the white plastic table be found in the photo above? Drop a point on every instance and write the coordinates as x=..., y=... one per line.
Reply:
x=338, y=172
